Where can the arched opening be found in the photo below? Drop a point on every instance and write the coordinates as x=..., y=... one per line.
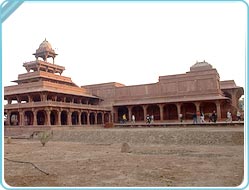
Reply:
x=122, y=111
x=99, y=118
x=14, y=118
x=138, y=112
x=154, y=110
x=207, y=108
x=24, y=99
x=106, y=118
x=53, y=117
x=92, y=118
x=41, y=117
x=170, y=112
x=28, y=118
x=75, y=118
x=188, y=110
x=64, y=118
x=226, y=106
x=50, y=97
x=84, y=118
x=36, y=98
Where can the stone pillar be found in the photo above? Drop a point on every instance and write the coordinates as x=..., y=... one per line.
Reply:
x=129, y=112
x=21, y=118
x=115, y=115
x=48, y=122
x=9, y=100
x=145, y=111
x=234, y=100
x=109, y=117
x=88, y=118
x=197, y=106
x=59, y=118
x=178, y=106
x=218, y=109
x=35, y=117
x=43, y=96
x=79, y=120
x=29, y=98
x=103, y=117
x=18, y=99
x=95, y=117
x=161, y=111
x=69, y=118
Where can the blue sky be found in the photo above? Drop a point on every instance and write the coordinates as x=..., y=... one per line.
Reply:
x=128, y=42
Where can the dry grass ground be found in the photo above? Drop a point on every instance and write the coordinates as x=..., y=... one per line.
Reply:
x=159, y=157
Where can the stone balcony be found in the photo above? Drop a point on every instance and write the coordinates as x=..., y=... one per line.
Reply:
x=55, y=104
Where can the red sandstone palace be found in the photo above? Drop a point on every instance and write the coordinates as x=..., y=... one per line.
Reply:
x=42, y=96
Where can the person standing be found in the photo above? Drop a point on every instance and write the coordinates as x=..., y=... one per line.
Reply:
x=238, y=115
x=124, y=118
x=198, y=114
x=180, y=117
x=195, y=118
x=152, y=119
x=133, y=119
x=214, y=117
x=229, y=116
x=202, y=117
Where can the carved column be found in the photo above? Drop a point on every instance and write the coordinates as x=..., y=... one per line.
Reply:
x=79, y=116
x=48, y=112
x=115, y=115
x=218, y=110
x=145, y=111
x=69, y=118
x=88, y=118
x=197, y=106
x=161, y=111
x=9, y=100
x=35, y=116
x=59, y=118
x=96, y=118
x=129, y=112
x=21, y=118
x=103, y=117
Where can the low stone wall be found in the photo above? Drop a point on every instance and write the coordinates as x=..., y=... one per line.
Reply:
x=166, y=136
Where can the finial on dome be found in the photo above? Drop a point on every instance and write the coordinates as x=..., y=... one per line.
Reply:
x=45, y=51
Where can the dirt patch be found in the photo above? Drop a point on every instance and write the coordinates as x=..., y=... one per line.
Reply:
x=93, y=158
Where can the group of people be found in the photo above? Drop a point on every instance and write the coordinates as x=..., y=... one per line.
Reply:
x=199, y=117
x=149, y=119
x=124, y=119
x=230, y=118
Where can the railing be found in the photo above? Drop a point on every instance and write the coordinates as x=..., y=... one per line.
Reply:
x=50, y=103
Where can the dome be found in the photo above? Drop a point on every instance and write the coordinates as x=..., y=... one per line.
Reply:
x=45, y=51
x=201, y=66
x=45, y=46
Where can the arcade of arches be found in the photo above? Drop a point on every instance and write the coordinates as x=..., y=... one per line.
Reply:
x=57, y=117
x=170, y=111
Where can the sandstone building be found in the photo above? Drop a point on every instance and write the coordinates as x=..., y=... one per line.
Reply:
x=43, y=96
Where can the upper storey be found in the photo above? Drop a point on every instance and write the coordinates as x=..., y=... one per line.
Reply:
x=44, y=52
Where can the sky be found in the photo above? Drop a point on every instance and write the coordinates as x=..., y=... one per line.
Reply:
x=128, y=42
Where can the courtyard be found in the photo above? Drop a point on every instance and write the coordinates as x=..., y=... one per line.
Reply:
x=158, y=157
